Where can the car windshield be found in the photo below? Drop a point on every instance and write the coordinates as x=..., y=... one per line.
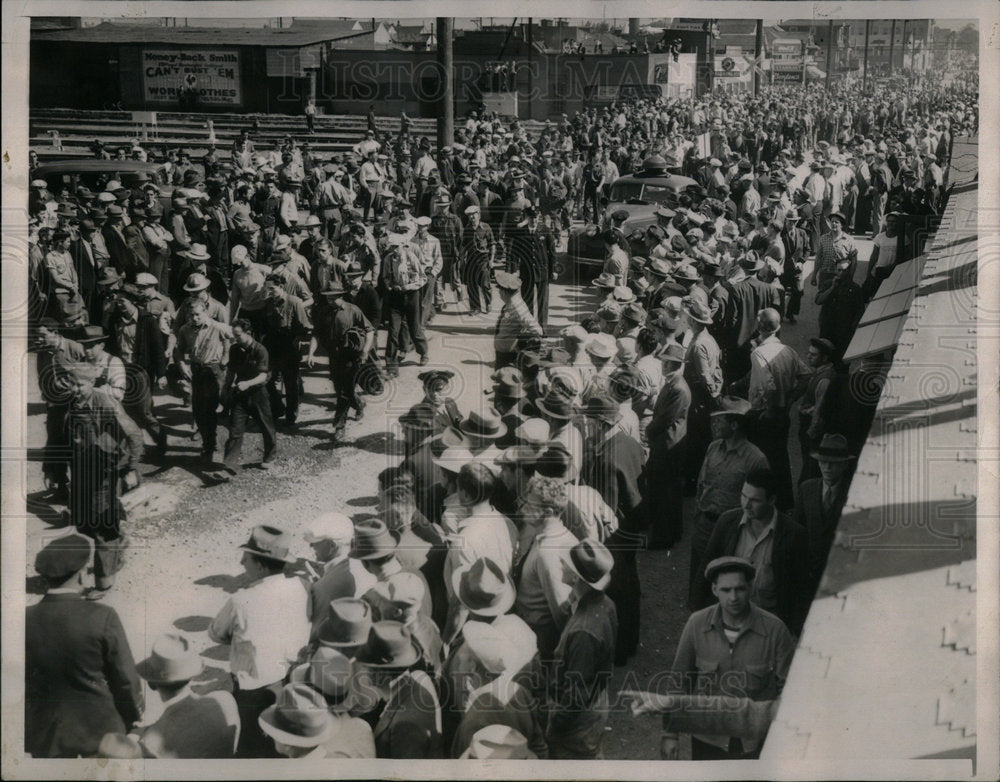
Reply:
x=641, y=193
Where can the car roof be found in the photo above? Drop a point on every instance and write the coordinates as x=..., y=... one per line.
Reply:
x=89, y=165
x=674, y=181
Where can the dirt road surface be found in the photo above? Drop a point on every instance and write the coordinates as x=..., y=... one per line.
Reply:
x=183, y=561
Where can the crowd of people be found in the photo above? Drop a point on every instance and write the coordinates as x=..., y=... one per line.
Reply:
x=481, y=613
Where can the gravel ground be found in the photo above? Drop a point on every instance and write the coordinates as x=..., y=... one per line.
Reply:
x=183, y=561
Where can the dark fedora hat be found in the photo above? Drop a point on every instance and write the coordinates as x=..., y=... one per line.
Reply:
x=91, y=335
x=557, y=405
x=832, y=448
x=389, y=645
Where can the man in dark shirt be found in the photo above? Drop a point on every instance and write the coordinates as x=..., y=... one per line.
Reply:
x=285, y=323
x=245, y=394
x=578, y=695
x=80, y=679
x=349, y=339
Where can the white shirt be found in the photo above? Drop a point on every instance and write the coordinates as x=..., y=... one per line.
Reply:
x=265, y=626
x=484, y=534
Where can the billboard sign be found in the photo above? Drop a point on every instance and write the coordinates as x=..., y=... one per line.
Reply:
x=214, y=73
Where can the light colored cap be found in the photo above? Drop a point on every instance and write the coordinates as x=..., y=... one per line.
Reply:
x=330, y=526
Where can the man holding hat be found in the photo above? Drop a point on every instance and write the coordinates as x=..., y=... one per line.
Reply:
x=80, y=678
x=724, y=648
x=265, y=624
x=821, y=500
x=191, y=726
x=584, y=658
x=349, y=339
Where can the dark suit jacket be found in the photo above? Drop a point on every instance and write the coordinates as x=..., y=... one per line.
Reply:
x=819, y=526
x=410, y=725
x=791, y=574
x=150, y=352
x=613, y=469
x=81, y=681
x=86, y=274
x=121, y=255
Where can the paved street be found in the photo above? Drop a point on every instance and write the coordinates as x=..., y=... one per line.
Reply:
x=183, y=561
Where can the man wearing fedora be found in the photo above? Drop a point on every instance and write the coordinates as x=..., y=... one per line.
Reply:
x=842, y=304
x=495, y=661
x=409, y=726
x=834, y=246
x=80, y=679
x=191, y=726
x=376, y=548
x=664, y=471
x=265, y=625
x=331, y=536
x=585, y=658
x=703, y=373
x=331, y=673
x=349, y=338
x=732, y=647
x=515, y=321
x=821, y=500
x=298, y=725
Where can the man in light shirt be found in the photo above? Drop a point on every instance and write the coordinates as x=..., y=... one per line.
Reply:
x=265, y=626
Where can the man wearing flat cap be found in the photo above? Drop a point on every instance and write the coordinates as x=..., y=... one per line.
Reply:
x=733, y=647
x=80, y=678
x=478, y=252
x=265, y=625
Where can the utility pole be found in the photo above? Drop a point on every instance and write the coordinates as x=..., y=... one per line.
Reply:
x=758, y=50
x=892, y=47
x=446, y=119
x=531, y=46
x=864, y=68
x=829, y=53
